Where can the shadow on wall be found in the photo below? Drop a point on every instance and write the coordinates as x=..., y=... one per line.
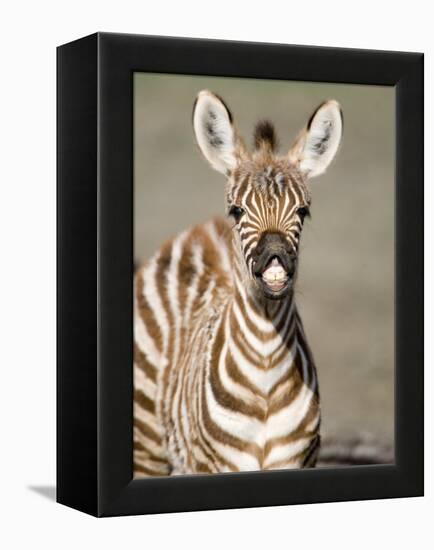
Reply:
x=46, y=491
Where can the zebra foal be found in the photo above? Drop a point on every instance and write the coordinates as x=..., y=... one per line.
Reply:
x=224, y=379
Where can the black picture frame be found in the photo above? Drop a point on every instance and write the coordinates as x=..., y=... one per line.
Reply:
x=95, y=273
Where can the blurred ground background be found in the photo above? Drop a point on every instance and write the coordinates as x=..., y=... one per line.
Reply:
x=346, y=278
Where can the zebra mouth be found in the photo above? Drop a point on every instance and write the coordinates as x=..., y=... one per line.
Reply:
x=274, y=278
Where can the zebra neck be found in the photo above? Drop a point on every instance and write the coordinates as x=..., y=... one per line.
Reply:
x=266, y=330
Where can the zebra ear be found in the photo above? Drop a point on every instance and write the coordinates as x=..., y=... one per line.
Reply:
x=317, y=144
x=214, y=131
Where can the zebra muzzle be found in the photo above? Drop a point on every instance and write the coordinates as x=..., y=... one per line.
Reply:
x=274, y=264
x=275, y=276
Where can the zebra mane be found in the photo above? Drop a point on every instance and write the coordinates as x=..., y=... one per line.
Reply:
x=265, y=136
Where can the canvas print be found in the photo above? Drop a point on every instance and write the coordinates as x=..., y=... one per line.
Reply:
x=263, y=281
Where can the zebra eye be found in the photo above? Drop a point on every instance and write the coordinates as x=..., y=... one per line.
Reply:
x=303, y=212
x=236, y=212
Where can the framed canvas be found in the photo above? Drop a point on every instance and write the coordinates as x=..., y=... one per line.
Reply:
x=169, y=397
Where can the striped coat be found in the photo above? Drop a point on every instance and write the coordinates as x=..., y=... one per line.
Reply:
x=224, y=379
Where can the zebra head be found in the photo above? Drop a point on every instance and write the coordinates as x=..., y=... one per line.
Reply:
x=267, y=197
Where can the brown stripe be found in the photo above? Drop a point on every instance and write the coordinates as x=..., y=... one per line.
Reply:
x=224, y=437
x=163, y=265
x=252, y=355
x=250, y=325
x=311, y=455
x=246, y=350
x=221, y=395
x=288, y=341
x=286, y=399
x=186, y=272
x=139, y=469
x=142, y=363
x=202, y=442
x=202, y=468
x=238, y=377
x=299, y=433
x=301, y=337
x=140, y=448
x=146, y=313
x=146, y=430
x=143, y=401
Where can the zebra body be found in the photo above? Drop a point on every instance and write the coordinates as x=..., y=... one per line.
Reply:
x=224, y=379
x=256, y=402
